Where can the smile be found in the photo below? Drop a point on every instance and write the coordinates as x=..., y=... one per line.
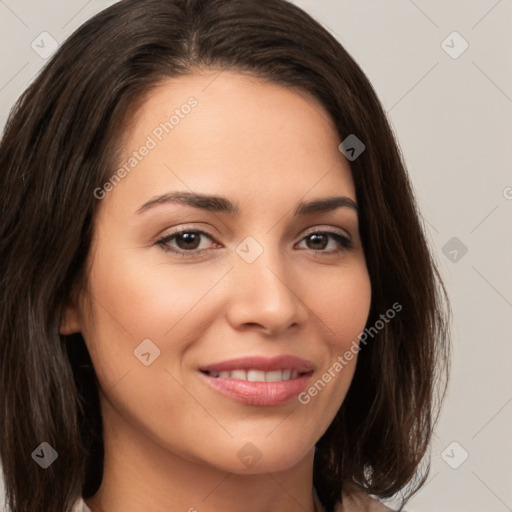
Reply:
x=256, y=375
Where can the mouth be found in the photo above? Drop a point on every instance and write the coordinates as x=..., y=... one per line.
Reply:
x=259, y=381
x=253, y=375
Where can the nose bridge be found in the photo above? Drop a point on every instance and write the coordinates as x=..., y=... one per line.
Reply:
x=264, y=293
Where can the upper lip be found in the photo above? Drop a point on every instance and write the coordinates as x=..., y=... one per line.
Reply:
x=266, y=364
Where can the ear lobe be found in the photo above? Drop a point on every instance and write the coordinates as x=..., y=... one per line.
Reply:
x=70, y=322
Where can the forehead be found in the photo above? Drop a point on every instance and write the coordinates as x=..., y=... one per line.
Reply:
x=231, y=134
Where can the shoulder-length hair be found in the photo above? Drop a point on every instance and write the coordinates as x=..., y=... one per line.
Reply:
x=61, y=143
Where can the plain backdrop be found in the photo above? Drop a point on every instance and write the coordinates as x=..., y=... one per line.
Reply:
x=442, y=70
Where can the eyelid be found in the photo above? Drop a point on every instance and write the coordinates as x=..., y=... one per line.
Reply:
x=327, y=229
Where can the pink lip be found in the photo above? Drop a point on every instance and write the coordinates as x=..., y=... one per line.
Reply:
x=265, y=364
x=260, y=393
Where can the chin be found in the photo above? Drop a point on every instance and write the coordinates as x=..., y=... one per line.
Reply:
x=246, y=457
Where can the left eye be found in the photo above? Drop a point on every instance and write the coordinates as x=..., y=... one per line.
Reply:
x=322, y=238
x=187, y=242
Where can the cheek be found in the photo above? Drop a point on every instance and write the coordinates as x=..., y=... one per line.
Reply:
x=343, y=305
x=343, y=308
x=147, y=297
x=123, y=305
x=139, y=297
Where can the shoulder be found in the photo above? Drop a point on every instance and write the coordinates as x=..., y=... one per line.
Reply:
x=80, y=506
x=355, y=500
x=361, y=502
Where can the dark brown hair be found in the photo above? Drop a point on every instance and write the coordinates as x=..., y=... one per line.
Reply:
x=60, y=144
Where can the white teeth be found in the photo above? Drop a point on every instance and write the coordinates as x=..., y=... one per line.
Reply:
x=274, y=376
x=257, y=375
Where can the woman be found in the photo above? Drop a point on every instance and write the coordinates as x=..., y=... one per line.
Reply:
x=216, y=288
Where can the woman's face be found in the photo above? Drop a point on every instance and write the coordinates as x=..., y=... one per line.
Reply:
x=248, y=279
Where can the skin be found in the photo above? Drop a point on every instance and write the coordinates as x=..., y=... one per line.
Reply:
x=171, y=442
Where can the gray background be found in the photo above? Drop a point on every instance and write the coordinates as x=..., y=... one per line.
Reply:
x=452, y=116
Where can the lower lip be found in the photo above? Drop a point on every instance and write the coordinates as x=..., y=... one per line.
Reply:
x=259, y=393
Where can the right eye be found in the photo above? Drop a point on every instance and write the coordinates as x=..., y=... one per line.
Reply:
x=188, y=239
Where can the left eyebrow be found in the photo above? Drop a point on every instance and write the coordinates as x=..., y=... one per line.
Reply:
x=326, y=205
x=224, y=205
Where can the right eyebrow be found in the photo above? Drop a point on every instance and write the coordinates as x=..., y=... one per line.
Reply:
x=205, y=202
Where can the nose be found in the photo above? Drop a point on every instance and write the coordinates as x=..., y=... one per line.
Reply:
x=266, y=295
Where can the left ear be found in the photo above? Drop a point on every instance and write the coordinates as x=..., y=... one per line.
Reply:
x=70, y=321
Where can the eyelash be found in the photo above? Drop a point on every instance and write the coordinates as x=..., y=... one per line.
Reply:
x=343, y=240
